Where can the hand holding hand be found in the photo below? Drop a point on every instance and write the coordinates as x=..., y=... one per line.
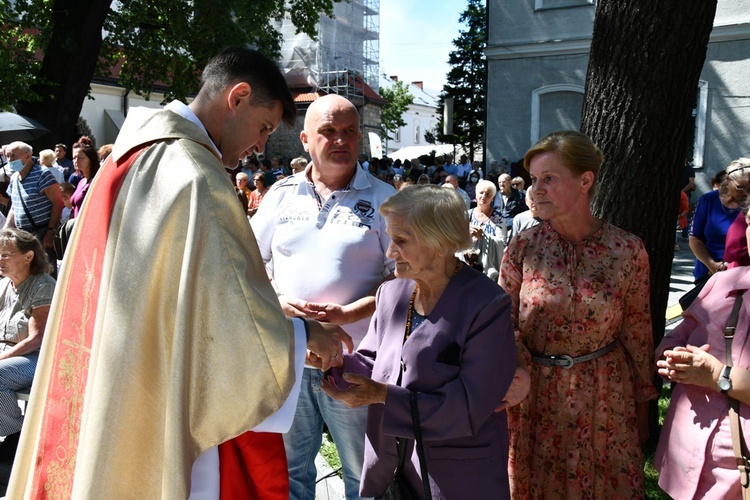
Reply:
x=330, y=312
x=363, y=391
x=691, y=365
x=517, y=391
x=325, y=343
x=293, y=307
x=716, y=267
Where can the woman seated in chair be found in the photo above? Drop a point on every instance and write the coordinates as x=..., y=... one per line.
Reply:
x=26, y=291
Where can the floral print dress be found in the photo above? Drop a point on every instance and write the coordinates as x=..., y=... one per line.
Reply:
x=575, y=435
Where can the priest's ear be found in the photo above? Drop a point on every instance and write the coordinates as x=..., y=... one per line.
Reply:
x=239, y=95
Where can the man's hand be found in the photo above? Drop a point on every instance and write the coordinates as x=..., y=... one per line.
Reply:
x=325, y=343
x=330, y=312
x=293, y=307
x=363, y=391
x=517, y=391
x=48, y=240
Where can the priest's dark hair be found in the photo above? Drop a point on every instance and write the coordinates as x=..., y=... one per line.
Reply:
x=238, y=64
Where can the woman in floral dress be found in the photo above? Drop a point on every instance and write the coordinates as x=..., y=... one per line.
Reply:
x=580, y=291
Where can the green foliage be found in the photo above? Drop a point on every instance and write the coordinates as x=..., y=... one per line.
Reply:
x=161, y=44
x=398, y=100
x=467, y=80
x=17, y=47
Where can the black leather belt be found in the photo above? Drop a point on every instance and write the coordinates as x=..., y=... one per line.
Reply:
x=567, y=362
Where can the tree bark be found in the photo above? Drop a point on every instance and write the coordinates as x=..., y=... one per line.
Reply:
x=645, y=62
x=641, y=86
x=68, y=67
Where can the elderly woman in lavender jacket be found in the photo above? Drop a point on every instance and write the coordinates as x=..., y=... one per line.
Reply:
x=442, y=330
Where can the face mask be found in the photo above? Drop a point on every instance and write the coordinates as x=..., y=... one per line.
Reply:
x=475, y=179
x=15, y=165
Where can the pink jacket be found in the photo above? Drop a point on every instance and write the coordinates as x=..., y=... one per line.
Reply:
x=695, y=412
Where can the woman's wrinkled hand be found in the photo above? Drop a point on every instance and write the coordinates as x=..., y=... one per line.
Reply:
x=690, y=365
x=518, y=390
x=362, y=391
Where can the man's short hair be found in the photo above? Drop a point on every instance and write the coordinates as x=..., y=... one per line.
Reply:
x=237, y=64
x=22, y=147
x=63, y=146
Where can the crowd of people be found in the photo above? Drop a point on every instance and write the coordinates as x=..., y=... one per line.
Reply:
x=458, y=334
x=40, y=193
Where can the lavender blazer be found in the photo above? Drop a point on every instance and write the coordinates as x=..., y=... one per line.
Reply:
x=695, y=412
x=461, y=361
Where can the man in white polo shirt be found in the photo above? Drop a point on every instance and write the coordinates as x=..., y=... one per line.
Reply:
x=326, y=240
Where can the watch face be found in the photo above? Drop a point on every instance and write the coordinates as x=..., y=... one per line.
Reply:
x=725, y=384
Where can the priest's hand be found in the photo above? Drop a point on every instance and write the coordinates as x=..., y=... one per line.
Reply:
x=325, y=343
x=363, y=391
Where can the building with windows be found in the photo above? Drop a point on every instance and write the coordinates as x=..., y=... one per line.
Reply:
x=537, y=54
x=421, y=117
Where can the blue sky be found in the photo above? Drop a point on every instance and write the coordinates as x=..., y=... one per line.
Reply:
x=416, y=37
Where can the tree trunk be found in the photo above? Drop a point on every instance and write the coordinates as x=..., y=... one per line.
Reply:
x=68, y=67
x=644, y=66
x=645, y=62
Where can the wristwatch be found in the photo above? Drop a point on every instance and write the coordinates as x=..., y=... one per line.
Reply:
x=725, y=383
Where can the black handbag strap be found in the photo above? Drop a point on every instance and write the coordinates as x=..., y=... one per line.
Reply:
x=420, y=447
x=23, y=203
x=401, y=443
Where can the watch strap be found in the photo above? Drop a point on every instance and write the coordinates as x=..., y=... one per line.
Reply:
x=725, y=376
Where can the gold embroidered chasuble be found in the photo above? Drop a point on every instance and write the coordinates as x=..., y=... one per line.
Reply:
x=189, y=347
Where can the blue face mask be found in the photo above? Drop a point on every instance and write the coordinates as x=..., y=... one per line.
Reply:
x=15, y=165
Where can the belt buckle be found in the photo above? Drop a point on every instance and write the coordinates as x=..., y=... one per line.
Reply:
x=567, y=360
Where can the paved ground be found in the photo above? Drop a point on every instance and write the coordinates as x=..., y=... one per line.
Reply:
x=331, y=487
x=680, y=282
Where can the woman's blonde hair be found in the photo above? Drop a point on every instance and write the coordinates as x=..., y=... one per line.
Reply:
x=738, y=173
x=437, y=216
x=576, y=151
x=47, y=157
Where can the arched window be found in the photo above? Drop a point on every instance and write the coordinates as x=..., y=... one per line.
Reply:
x=555, y=107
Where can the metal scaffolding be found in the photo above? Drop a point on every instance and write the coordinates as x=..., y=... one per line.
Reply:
x=346, y=53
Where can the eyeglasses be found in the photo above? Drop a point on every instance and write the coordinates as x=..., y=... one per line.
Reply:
x=6, y=256
x=515, y=184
